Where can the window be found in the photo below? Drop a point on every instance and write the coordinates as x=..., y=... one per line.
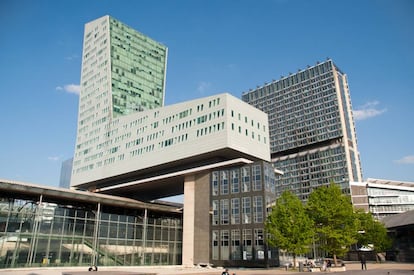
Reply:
x=224, y=238
x=258, y=209
x=247, y=244
x=225, y=243
x=256, y=178
x=224, y=182
x=258, y=238
x=214, y=183
x=215, y=220
x=224, y=211
x=235, y=211
x=214, y=240
x=245, y=173
x=235, y=245
x=235, y=181
x=246, y=204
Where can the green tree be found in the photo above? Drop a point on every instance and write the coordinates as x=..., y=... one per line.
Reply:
x=289, y=227
x=372, y=232
x=334, y=219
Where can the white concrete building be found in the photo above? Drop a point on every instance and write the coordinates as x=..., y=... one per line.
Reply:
x=206, y=130
x=383, y=197
x=130, y=145
x=125, y=133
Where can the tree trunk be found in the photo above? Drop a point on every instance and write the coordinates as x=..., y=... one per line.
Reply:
x=335, y=261
x=294, y=261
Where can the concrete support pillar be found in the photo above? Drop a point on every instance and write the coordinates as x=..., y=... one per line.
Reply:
x=188, y=221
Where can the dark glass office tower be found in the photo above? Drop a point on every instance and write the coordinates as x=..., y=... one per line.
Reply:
x=311, y=128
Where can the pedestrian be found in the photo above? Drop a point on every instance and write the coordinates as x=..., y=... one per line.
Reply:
x=329, y=263
x=225, y=272
x=363, y=262
x=324, y=266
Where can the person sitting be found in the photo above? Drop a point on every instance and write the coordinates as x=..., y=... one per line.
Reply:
x=225, y=272
x=329, y=263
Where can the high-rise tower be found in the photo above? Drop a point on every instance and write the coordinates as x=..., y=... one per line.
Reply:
x=126, y=136
x=123, y=72
x=311, y=128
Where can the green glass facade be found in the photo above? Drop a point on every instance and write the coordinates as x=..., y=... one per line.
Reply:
x=138, y=66
x=43, y=233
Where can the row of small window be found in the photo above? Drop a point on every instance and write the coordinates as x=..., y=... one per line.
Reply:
x=397, y=199
x=293, y=101
x=236, y=213
x=174, y=140
x=136, y=49
x=285, y=100
x=124, y=32
x=323, y=164
x=319, y=71
x=391, y=208
x=133, y=153
x=384, y=192
x=238, y=237
x=245, y=178
x=246, y=120
x=337, y=175
x=240, y=245
x=325, y=152
x=210, y=129
x=246, y=132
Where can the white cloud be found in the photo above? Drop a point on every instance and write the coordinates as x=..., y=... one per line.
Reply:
x=70, y=88
x=203, y=86
x=71, y=57
x=53, y=158
x=368, y=110
x=406, y=160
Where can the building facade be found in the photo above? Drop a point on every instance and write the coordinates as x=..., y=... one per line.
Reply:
x=130, y=145
x=311, y=128
x=169, y=139
x=382, y=197
x=123, y=72
x=240, y=198
x=66, y=173
x=125, y=134
x=45, y=226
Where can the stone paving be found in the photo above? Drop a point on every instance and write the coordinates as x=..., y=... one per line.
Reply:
x=389, y=268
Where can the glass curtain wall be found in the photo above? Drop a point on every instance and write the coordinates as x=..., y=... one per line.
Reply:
x=39, y=233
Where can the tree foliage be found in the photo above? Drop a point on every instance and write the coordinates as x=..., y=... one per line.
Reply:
x=334, y=219
x=289, y=226
x=372, y=232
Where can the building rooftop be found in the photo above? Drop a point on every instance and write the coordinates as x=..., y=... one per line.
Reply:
x=62, y=195
x=397, y=220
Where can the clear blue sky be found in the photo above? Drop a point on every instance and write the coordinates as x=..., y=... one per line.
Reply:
x=214, y=47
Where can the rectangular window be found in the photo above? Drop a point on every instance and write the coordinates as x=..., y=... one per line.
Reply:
x=224, y=182
x=258, y=209
x=259, y=244
x=247, y=244
x=224, y=211
x=235, y=211
x=215, y=220
x=247, y=211
x=235, y=245
x=256, y=178
x=215, y=245
x=235, y=181
x=214, y=183
x=245, y=173
x=225, y=243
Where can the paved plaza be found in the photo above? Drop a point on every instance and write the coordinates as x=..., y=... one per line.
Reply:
x=353, y=268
